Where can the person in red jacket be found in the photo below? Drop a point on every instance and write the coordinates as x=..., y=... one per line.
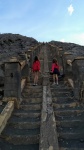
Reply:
x=55, y=71
x=36, y=69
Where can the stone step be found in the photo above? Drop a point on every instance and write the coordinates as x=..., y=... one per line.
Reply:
x=11, y=130
x=21, y=139
x=32, y=100
x=70, y=116
x=61, y=85
x=62, y=148
x=68, y=109
x=65, y=105
x=62, y=94
x=32, y=83
x=31, y=107
x=25, y=125
x=73, y=144
x=8, y=146
x=31, y=87
x=71, y=135
x=33, y=90
x=70, y=123
x=66, y=89
x=61, y=100
x=34, y=95
x=25, y=115
x=55, y=86
x=28, y=111
x=62, y=82
x=27, y=119
x=74, y=129
x=65, y=113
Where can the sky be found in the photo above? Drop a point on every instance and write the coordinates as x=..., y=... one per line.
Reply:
x=44, y=20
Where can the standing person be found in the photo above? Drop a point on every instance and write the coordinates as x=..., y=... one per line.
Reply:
x=55, y=71
x=36, y=69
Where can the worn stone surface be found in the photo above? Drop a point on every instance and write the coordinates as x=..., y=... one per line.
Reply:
x=5, y=115
x=48, y=135
x=70, y=81
x=48, y=140
x=78, y=77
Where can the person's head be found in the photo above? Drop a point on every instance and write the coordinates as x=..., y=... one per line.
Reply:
x=35, y=58
x=54, y=60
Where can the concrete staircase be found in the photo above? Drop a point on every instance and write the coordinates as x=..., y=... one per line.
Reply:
x=34, y=123
x=69, y=115
x=23, y=128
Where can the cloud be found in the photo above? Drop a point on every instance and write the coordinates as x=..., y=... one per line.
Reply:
x=79, y=38
x=62, y=40
x=70, y=9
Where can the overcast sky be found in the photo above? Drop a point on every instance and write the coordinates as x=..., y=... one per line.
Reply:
x=44, y=20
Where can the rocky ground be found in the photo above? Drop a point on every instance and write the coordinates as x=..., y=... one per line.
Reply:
x=12, y=45
x=74, y=49
x=15, y=41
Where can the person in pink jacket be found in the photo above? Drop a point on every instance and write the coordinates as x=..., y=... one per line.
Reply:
x=55, y=71
x=36, y=69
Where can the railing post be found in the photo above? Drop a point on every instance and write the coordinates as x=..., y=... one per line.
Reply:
x=67, y=67
x=12, y=85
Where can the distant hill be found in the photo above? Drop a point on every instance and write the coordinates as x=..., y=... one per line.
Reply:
x=74, y=49
x=15, y=42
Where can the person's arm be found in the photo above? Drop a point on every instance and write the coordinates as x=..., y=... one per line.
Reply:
x=39, y=66
x=32, y=67
x=52, y=68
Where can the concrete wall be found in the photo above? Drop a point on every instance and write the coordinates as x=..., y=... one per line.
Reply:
x=78, y=78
